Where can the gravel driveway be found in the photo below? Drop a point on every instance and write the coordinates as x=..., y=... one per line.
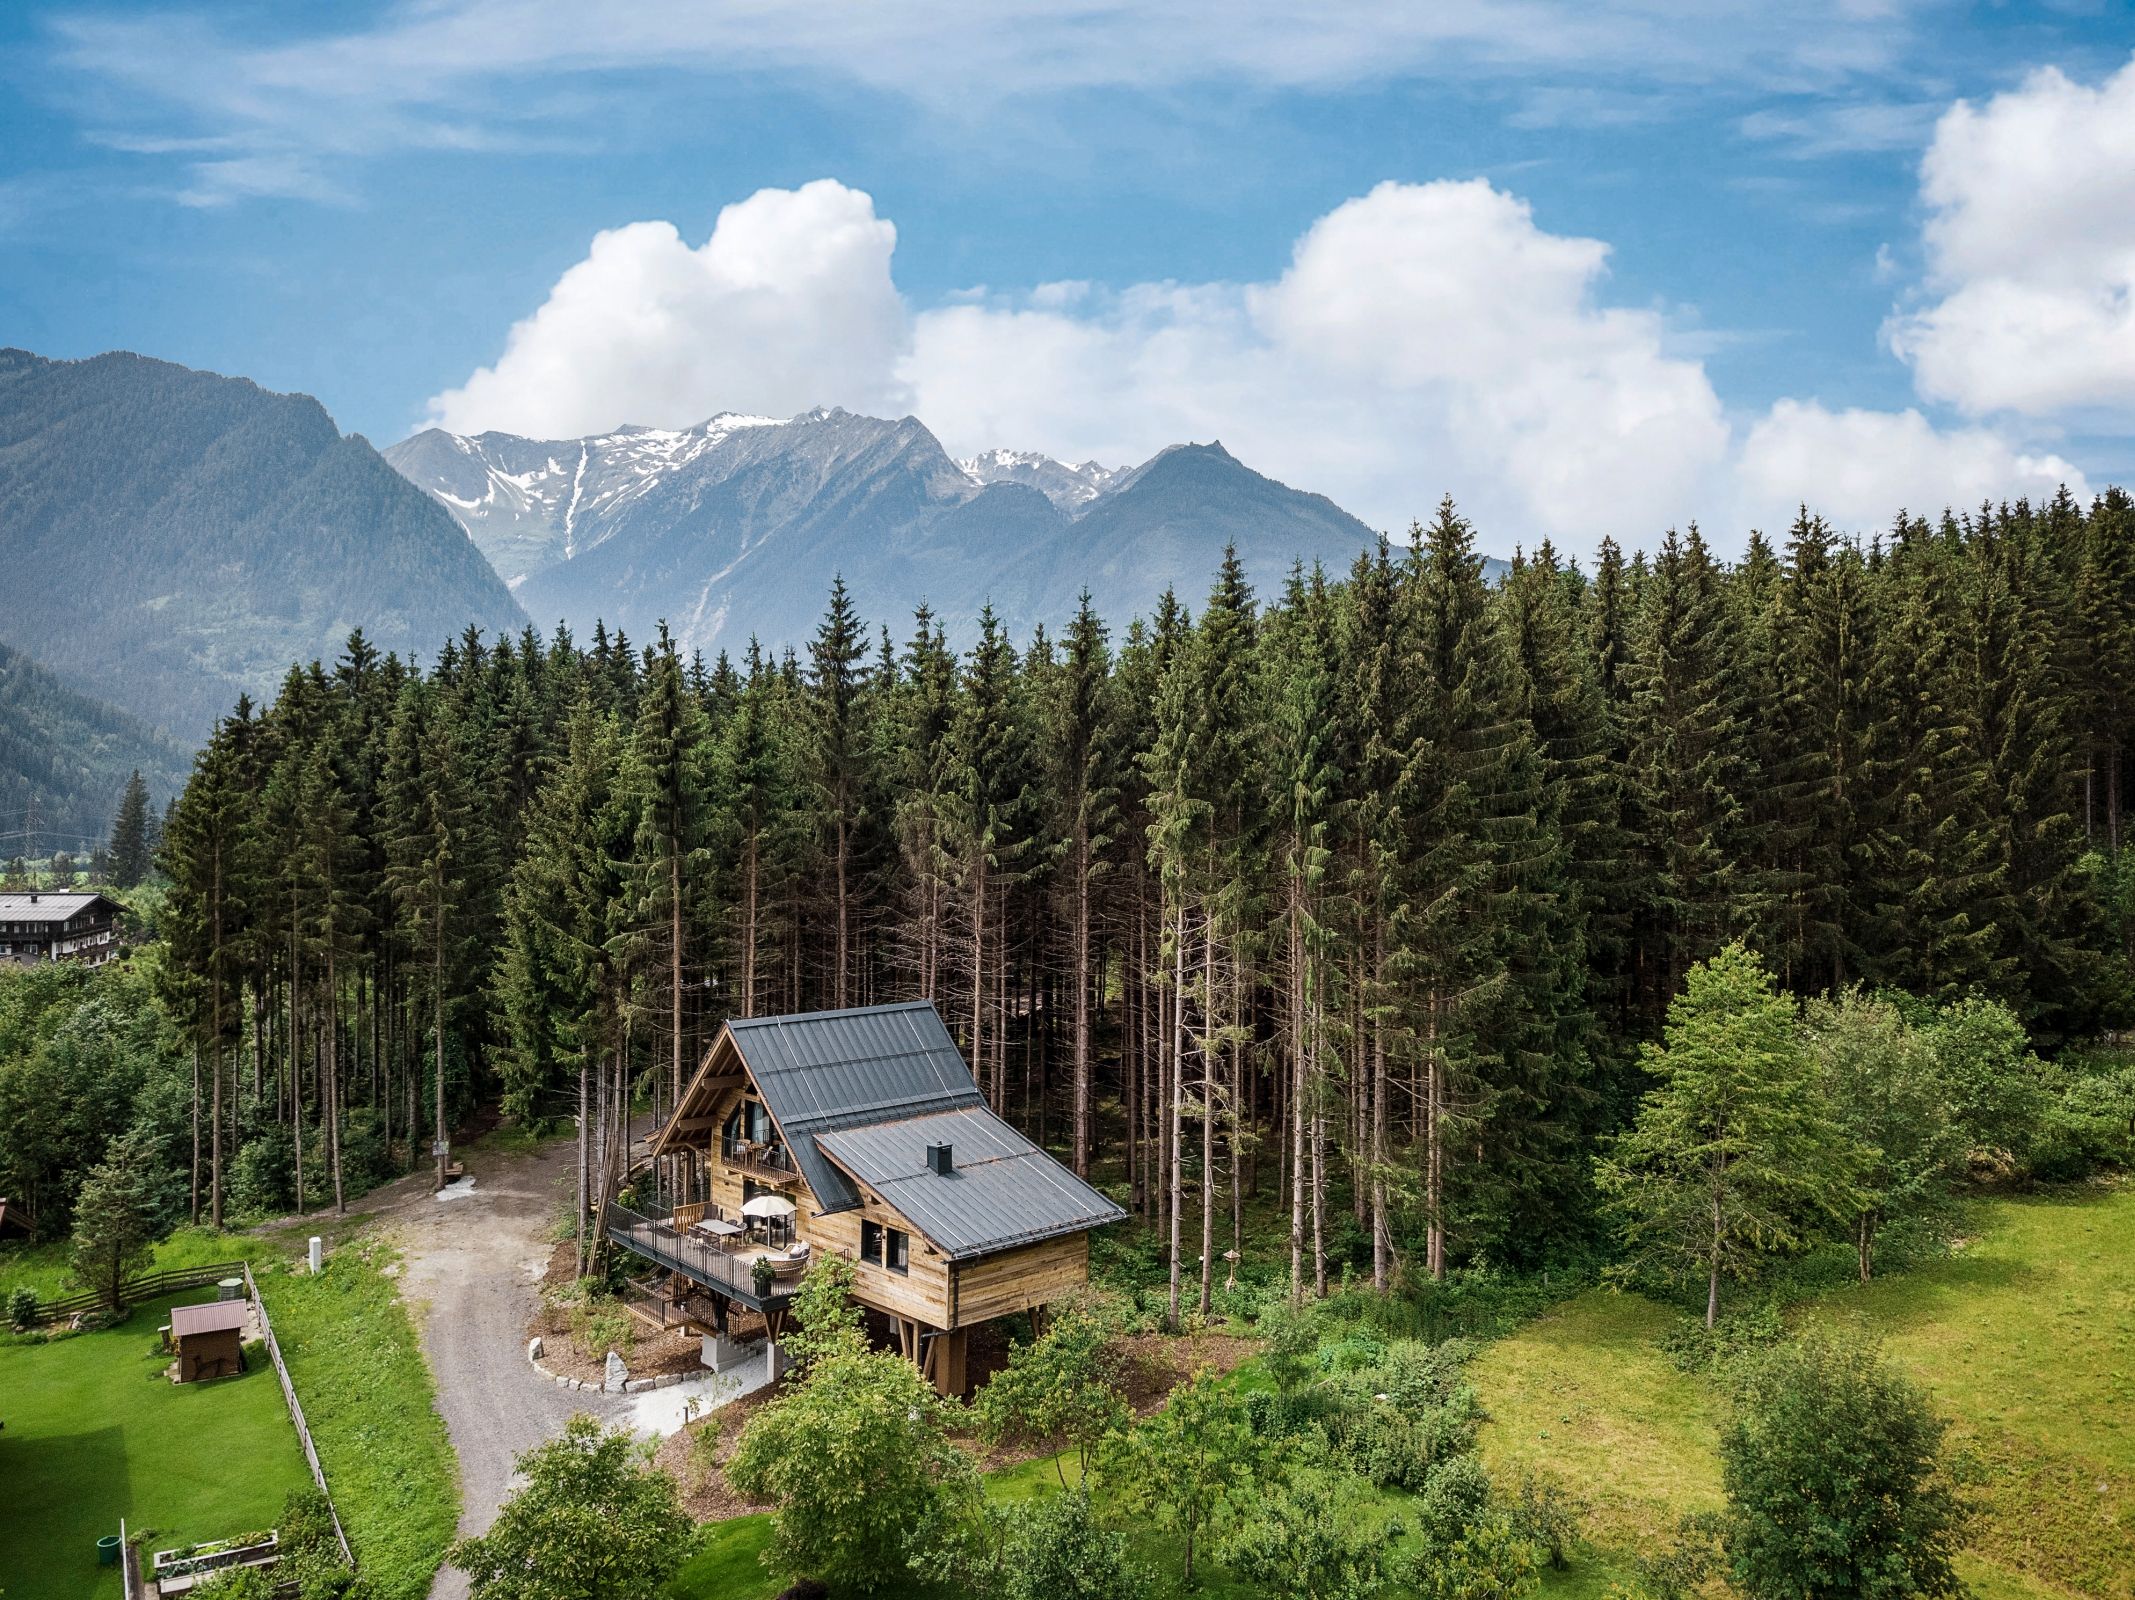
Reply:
x=471, y=1267
x=471, y=1271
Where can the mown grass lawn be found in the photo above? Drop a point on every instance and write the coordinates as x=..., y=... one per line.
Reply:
x=94, y=1432
x=359, y=1373
x=2025, y=1337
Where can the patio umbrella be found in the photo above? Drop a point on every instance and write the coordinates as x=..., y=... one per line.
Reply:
x=768, y=1205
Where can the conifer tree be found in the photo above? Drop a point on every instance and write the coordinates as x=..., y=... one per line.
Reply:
x=836, y=756
x=1084, y=782
x=130, y=855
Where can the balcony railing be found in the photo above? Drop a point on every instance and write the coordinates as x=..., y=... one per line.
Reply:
x=697, y=1260
x=773, y=1162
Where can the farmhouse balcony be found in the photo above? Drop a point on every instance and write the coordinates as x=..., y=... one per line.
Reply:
x=722, y=1271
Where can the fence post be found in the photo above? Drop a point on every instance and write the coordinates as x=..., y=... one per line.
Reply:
x=296, y=1415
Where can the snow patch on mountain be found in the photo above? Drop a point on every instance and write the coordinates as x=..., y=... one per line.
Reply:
x=1071, y=488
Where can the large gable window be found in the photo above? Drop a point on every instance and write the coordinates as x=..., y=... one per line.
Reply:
x=748, y=1123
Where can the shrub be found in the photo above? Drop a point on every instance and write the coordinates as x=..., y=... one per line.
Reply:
x=21, y=1308
x=263, y=1175
x=593, y=1519
x=1547, y=1515
x=1298, y=1543
x=860, y=1466
x=1454, y=1495
x=1737, y=1336
x=1835, y=1481
x=704, y=1450
x=1489, y=1561
x=1054, y=1549
x=601, y=1324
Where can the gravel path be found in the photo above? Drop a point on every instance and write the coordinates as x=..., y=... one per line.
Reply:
x=471, y=1270
x=471, y=1266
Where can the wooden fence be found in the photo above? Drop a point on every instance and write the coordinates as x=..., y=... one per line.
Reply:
x=148, y=1287
x=135, y=1290
x=296, y=1415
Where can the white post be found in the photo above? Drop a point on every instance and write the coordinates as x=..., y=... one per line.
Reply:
x=316, y=1252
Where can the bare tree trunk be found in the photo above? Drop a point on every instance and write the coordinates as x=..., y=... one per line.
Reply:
x=1381, y=1238
x=333, y=1081
x=583, y=1171
x=1208, y=1109
x=978, y=972
x=844, y=913
x=1435, y=1148
x=1082, y=997
x=437, y=1019
x=1178, y=1095
x=674, y=972
x=196, y=1134
x=1297, y=1094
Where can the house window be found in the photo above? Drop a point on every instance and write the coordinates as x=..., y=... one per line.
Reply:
x=898, y=1250
x=749, y=1120
x=871, y=1242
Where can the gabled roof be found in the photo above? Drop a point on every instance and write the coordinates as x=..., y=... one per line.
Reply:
x=1001, y=1190
x=213, y=1316
x=855, y=1094
x=40, y=906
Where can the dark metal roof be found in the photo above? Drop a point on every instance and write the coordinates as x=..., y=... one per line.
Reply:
x=1001, y=1191
x=214, y=1316
x=824, y=1070
x=873, y=1088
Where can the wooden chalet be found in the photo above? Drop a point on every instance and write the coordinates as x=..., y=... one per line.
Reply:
x=38, y=925
x=862, y=1133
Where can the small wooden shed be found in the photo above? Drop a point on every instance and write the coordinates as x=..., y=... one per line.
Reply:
x=209, y=1339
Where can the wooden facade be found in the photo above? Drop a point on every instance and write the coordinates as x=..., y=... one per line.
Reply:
x=1008, y=1233
x=40, y=925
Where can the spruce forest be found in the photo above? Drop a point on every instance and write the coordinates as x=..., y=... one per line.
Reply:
x=1356, y=900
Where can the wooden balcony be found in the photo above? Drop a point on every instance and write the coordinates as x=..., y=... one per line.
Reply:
x=766, y=1163
x=704, y=1264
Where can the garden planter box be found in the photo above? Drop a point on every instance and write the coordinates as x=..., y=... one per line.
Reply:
x=175, y=1571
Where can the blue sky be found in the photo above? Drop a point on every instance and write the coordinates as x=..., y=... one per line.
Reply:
x=1590, y=267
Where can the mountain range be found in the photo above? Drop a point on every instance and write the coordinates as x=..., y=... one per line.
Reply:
x=172, y=538
x=735, y=527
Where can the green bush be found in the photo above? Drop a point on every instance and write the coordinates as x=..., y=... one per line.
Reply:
x=1454, y=1494
x=263, y=1176
x=1836, y=1483
x=1054, y=1549
x=1547, y=1515
x=1739, y=1334
x=21, y=1308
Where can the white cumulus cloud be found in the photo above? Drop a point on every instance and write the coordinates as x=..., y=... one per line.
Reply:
x=1423, y=339
x=2031, y=253
x=1858, y=469
x=1424, y=336
x=787, y=303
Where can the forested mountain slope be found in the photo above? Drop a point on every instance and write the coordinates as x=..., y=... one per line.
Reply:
x=65, y=758
x=733, y=528
x=172, y=537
